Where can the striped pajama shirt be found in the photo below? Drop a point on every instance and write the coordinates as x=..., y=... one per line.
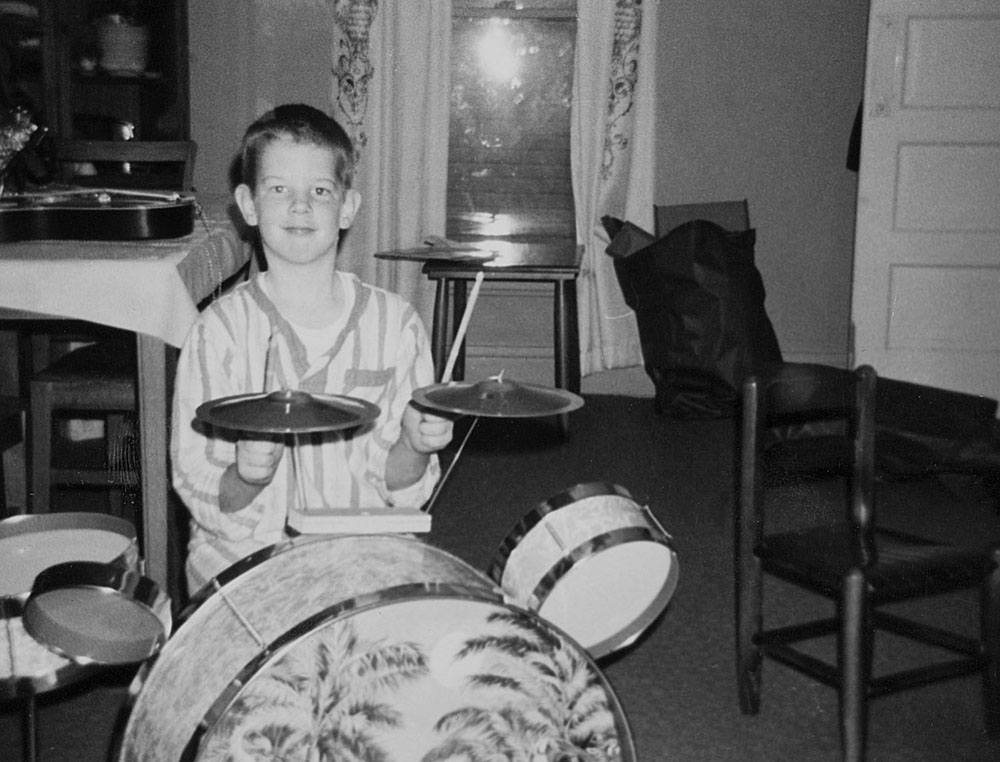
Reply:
x=378, y=352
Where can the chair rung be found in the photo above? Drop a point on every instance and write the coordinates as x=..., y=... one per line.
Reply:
x=810, y=665
x=793, y=633
x=93, y=478
x=921, y=676
x=923, y=633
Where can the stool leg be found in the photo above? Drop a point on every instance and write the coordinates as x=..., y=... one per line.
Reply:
x=567, y=337
x=458, y=374
x=566, y=342
x=439, y=331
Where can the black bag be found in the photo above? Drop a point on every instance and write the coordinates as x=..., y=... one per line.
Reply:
x=699, y=304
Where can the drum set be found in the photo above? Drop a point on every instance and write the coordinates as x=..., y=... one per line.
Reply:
x=363, y=645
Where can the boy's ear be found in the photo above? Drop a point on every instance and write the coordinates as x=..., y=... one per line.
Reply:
x=244, y=200
x=349, y=207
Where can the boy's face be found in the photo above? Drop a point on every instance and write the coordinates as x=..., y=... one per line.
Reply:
x=298, y=205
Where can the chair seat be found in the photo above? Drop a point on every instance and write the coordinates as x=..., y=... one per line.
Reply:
x=908, y=566
x=98, y=376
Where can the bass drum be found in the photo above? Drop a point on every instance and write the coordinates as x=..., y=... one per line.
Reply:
x=364, y=646
x=592, y=561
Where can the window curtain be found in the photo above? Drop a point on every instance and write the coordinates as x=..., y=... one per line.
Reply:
x=612, y=139
x=390, y=90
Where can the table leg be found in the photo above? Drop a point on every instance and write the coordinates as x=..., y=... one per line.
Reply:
x=153, y=442
x=458, y=374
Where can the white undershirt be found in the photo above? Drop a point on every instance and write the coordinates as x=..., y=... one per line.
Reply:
x=318, y=340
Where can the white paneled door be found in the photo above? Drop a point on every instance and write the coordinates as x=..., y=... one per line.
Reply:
x=926, y=287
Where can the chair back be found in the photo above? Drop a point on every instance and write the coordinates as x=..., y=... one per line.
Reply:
x=804, y=416
x=731, y=215
x=154, y=164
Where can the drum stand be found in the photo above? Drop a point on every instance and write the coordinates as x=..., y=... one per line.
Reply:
x=24, y=690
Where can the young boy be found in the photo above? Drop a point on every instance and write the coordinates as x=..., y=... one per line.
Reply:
x=301, y=324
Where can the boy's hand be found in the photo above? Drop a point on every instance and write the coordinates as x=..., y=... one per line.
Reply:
x=426, y=432
x=258, y=459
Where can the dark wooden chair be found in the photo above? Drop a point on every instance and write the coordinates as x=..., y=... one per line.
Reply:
x=97, y=379
x=852, y=561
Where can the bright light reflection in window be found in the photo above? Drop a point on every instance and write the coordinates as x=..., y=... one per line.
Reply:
x=497, y=57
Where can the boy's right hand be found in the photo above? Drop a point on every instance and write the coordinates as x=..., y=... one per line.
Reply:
x=258, y=459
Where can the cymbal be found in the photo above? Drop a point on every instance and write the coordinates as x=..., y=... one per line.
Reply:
x=287, y=411
x=497, y=398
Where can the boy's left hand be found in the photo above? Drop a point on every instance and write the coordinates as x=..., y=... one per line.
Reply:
x=426, y=432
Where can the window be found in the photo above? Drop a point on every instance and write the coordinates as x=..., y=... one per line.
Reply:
x=509, y=151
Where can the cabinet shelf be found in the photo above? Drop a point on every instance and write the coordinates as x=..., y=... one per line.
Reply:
x=51, y=38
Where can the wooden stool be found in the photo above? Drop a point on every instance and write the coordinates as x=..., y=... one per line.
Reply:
x=557, y=263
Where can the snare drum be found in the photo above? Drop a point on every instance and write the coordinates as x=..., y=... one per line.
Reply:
x=29, y=545
x=32, y=543
x=377, y=642
x=592, y=561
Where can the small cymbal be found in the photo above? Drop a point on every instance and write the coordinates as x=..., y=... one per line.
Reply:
x=287, y=412
x=497, y=398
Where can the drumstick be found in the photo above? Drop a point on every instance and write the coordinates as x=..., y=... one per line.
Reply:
x=462, y=328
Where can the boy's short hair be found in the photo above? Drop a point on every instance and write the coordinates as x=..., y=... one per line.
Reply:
x=303, y=124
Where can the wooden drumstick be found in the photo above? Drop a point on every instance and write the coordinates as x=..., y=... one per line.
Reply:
x=462, y=328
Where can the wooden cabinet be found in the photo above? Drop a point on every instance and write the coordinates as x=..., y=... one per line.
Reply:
x=54, y=64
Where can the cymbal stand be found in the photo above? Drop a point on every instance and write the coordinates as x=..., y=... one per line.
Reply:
x=449, y=368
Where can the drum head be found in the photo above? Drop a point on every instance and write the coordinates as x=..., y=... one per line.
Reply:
x=630, y=582
x=96, y=613
x=411, y=673
x=32, y=543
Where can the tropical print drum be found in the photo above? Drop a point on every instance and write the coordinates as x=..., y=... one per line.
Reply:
x=368, y=647
x=421, y=674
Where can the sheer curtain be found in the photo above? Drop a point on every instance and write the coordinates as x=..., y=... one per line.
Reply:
x=390, y=89
x=613, y=149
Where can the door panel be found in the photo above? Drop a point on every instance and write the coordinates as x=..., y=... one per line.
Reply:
x=926, y=292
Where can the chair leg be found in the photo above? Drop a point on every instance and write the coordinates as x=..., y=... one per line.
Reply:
x=855, y=658
x=991, y=647
x=39, y=501
x=749, y=619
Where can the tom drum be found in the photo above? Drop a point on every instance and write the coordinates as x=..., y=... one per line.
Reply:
x=592, y=561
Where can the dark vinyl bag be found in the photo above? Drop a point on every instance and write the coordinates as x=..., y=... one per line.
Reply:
x=699, y=304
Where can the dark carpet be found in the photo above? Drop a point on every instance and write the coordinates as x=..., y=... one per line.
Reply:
x=676, y=684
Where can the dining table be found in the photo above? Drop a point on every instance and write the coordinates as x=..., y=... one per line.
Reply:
x=152, y=287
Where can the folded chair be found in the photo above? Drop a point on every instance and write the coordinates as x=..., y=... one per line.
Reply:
x=853, y=562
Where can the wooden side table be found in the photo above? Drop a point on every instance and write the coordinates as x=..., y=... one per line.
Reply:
x=555, y=262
